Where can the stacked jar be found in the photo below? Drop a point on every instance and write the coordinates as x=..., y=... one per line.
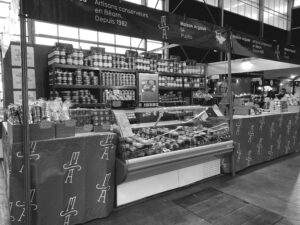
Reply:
x=66, y=95
x=118, y=79
x=102, y=60
x=119, y=62
x=153, y=65
x=131, y=63
x=78, y=77
x=162, y=66
x=120, y=95
x=79, y=96
x=191, y=82
x=142, y=64
x=63, y=77
x=75, y=58
x=62, y=58
x=169, y=81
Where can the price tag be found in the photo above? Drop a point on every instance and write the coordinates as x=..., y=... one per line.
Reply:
x=204, y=116
x=45, y=124
x=124, y=124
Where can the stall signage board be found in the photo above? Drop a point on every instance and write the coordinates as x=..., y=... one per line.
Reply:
x=246, y=45
x=126, y=18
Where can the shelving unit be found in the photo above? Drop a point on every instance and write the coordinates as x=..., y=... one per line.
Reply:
x=187, y=92
x=97, y=89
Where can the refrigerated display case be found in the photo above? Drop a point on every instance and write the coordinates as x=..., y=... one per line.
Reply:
x=165, y=148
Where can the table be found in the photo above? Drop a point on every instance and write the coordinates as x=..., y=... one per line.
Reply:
x=262, y=138
x=72, y=179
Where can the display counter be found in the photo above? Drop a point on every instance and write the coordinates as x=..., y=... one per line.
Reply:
x=167, y=148
x=72, y=179
x=261, y=138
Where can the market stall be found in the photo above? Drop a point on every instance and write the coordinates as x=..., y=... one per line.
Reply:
x=96, y=79
x=264, y=134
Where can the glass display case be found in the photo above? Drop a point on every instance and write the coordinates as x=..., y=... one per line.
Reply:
x=147, y=132
x=175, y=141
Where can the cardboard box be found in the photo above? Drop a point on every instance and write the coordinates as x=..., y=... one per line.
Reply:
x=105, y=127
x=85, y=129
x=65, y=129
x=242, y=110
x=42, y=131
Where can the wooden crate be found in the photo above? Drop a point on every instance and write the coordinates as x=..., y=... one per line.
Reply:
x=42, y=131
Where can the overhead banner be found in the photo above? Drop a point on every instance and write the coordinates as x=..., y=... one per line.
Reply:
x=121, y=17
x=246, y=45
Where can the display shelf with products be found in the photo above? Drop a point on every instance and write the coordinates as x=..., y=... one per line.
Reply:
x=119, y=87
x=91, y=105
x=155, y=141
x=65, y=86
x=73, y=67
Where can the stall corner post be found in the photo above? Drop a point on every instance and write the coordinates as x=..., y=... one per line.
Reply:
x=26, y=149
x=230, y=95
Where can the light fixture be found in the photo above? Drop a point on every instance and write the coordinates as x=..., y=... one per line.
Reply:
x=237, y=81
x=281, y=84
x=292, y=76
x=246, y=65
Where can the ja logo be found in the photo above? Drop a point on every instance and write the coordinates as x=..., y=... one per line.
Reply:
x=71, y=167
x=70, y=211
x=21, y=205
x=33, y=155
x=104, y=188
x=164, y=27
x=107, y=146
x=220, y=39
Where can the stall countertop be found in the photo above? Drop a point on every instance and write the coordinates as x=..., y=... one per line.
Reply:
x=260, y=115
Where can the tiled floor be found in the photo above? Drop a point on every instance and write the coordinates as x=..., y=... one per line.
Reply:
x=274, y=187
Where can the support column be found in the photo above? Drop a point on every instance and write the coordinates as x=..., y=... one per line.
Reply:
x=289, y=22
x=261, y=17
x=221, y=7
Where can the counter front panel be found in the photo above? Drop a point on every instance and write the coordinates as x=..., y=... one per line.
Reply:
x=72, y=179
x=263, y=138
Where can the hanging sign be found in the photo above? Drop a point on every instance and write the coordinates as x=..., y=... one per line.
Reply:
x=130, y=19
x=246, y=45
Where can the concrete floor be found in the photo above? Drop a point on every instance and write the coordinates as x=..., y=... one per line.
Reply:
x=274, y=186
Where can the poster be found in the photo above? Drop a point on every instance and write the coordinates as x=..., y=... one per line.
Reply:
x=148, y=87
x=17, y=78
x=16, y=55
x=247, y=45
x=31, y=78
x=18, y=96
x=126, y=18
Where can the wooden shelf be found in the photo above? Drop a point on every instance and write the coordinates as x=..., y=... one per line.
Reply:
x=181, y=74
x=76, y=86
x=116, y=70
x=119, y=87
x=74, y=67
x=171, y=88
x=179, y=88
x=88, y=105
